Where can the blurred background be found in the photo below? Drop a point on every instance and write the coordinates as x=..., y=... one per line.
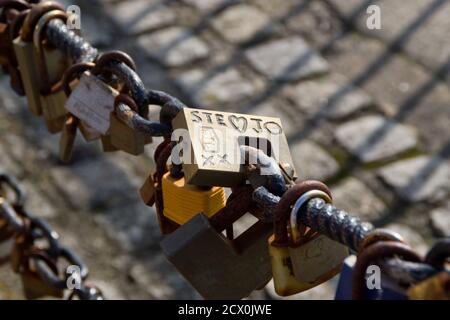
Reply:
x=367, y=111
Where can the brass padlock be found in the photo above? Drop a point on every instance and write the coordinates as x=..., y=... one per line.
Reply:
x=217, y=267
x=437, y=287
x=315, y=257
x=10, y=13
x=27, y=58
x=52, y=64
x=211, y=141
x=284, y=277
x=148, y=191
x=122, y=136
x=68, y=135
x=183, y=201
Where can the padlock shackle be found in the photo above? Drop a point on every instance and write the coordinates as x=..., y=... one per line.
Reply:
x=17, y=23
x=377, y=251
x=74, y=72
x=379, y=234
x=283, y=210
x=46, y=86
x=35, y=14
x=296, y=233
x=18, y=5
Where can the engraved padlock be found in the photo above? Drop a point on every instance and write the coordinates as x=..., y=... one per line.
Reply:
x=315, y=257
x=183, y=201
x=122, y=135
x=211, y=144
x=218, y=267
x=26, y=55
x=285, y=281
x=52, y=64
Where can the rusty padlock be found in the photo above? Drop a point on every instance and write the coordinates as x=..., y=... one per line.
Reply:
x=7, y=55
x=283, y=250
x=437, y=287
x=122, y=135
x=217, y=267
x=213, y=141
x=372, y=253
x=315, y=257
x=26, y=54
x=92, y=100
x=52, y=64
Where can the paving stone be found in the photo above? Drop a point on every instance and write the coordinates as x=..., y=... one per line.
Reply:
x=272, y=109
x=139, y=16
x=209, y=5
x=411, y=237
x=401, y=88
x=240, y=24
x=226, y=87
x=422, y=178
x=440, y=221
x=355, y=197
x=312, y=162
x=422, y=29
x=160, y=278
x=84, y=185
x=317, y=23
x=288, y=59
x=331, y=95
x=280, y=9
x=174, y=46
x=372, y=138
x=135, y=226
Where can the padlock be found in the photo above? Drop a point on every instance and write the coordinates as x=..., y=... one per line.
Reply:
x=373, y=253
x=285, y=281
x=88, y=133
x=315, y=258
x=213, y=153
x=436, y=287
x=148, y=191
x=52, y=64
x=11, y=12
x=387, y=290
x=67, y=139
x=219, y=268
x=124, y=137
x=183, y=201
x=92, y=101
x=27, y=58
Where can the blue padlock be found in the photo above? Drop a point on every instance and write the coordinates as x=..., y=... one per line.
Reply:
x=344, y=288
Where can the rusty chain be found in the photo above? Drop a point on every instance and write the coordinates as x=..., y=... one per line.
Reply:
x=266, y=195
x=29, y=256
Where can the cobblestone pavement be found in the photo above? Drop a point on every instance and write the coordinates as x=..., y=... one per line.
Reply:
x=366, y=111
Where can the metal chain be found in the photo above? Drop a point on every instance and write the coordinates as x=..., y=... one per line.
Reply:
x=23, y=225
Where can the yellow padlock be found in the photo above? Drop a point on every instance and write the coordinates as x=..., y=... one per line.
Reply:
x=183, y=201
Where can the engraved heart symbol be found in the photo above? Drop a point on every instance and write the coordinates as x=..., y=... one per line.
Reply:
x=239, y=123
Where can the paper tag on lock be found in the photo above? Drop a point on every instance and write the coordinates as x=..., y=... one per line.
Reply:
x=209, y=144
x=92, y=101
